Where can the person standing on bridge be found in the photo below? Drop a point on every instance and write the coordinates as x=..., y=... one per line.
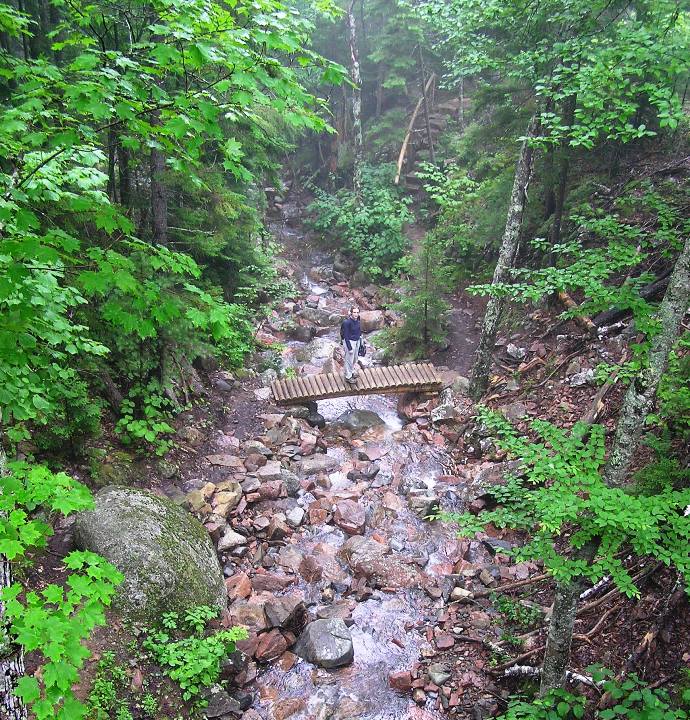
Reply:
x=351, y=336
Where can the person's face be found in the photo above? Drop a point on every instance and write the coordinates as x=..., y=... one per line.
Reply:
x=355, y=314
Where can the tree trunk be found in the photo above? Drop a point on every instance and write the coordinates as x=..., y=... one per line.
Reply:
x=559, y=637
x=506, y=257
x=11, y=657
x=642, y=391
x=159, y=198
x=356, y=101
x=429, y=138
x=461, y=112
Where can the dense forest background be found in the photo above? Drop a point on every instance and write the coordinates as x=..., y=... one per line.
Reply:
x=534, y=153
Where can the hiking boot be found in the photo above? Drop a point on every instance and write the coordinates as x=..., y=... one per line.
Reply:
x=351, y=380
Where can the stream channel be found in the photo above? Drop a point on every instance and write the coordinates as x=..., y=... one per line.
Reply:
x=388, y=625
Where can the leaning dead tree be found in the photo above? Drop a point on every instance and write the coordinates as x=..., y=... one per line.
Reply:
x=410, y=127
x=479, y=381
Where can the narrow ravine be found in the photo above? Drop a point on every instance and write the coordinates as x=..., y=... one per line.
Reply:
x=391, y=472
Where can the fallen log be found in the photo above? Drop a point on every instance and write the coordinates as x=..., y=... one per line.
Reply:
x=648, y=292
x=410, y=127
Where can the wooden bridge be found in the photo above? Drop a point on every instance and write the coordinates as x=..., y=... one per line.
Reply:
x=371, y=381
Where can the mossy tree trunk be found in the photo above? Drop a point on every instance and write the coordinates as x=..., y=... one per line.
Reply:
x=479, y=381
x=641, y=394
x=636, y=406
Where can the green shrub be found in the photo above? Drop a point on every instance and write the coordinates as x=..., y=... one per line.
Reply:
x=189, y=656
x=370, y=227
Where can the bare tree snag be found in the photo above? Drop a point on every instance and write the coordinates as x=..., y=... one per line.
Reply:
x=642, y=391
x=11, y=657
x=410, y=128
x=479, y=381
x=425, y=99
x=356, y=100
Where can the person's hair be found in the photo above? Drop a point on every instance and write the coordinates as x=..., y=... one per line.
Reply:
x=353, y=307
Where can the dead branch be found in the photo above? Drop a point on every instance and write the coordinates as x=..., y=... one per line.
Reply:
x=582, y=321
x=512, y=586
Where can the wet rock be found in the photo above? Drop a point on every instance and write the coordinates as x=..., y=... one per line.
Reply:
x=316, y=464
x=269, y=472
x=366, y=472
x=438, y=673
x=287, y=707
x=249, y=613
x=298, y=411
x=230, y=540
x=195, y=501
x=349, y=516
x=278, y=528
x=301, y=332
x=419, y=696
x=290, y=482
x=368, y=558
x=371, y=320
x=326, y=643
x=360, y=420
x=444, y=413
x=220, y=704
x=270, y=582
x=287, y=612
x=422, y=502
x=401, y=680
x=226, y=460
x=238, y=586
x=271, y=646
x=295, y=517
x=316, y=420
x=382, y=479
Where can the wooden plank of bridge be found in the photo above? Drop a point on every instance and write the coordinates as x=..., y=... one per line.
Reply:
x=393, y=379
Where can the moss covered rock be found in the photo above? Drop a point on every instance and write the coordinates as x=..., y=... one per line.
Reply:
x=165, y=554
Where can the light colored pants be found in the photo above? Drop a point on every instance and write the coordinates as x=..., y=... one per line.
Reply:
x=351, y=357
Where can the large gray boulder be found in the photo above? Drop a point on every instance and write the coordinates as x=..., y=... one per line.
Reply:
x=326, y=643
x=360, y=420
x=165, y=554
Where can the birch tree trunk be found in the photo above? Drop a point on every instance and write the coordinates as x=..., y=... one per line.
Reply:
x=641, y=394
x=356, y=101
x=506, y=257
x=11, y=657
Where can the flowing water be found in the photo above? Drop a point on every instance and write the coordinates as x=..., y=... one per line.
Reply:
x=383, y=635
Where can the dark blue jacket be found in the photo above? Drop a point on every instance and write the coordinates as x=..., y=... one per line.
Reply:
x=351, y=331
